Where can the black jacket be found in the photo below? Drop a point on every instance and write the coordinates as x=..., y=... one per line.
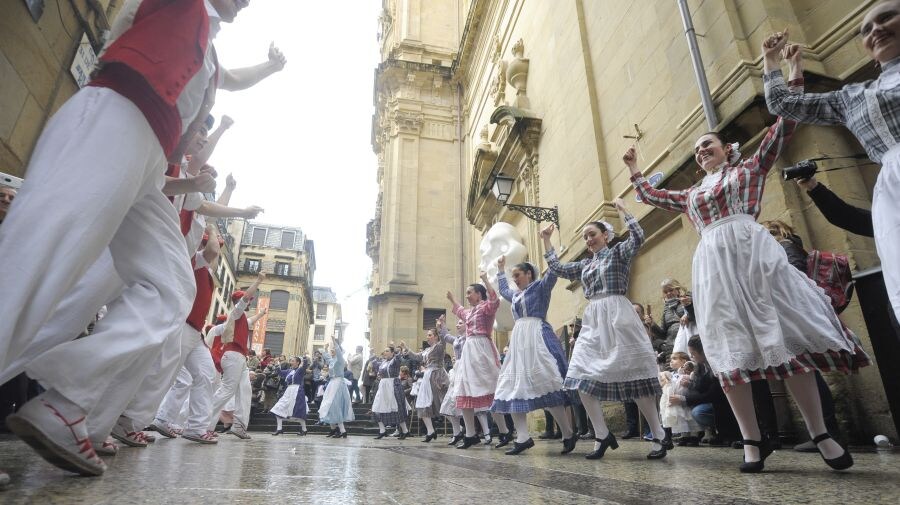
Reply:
x=796, y=254
x=704, y=388
x=840, y=213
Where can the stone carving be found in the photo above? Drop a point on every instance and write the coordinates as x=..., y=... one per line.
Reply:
x=517, y=75
x=502, y=239
x=406, y=122
x=485, y=144
x=498, y=87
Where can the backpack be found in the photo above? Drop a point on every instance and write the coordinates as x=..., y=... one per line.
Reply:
x=831, y=272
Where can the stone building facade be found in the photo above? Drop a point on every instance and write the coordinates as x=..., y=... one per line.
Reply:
x=551, y=94
x=288, y=259
x=328, y=322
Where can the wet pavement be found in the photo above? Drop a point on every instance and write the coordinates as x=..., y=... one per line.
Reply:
x=315, y=469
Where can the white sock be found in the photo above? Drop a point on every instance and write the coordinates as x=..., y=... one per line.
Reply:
x=454, y=422
x=485, y=426
x=469, y=416
x=561, y=415
x=403, y=428
x=594, y=409
x=501, y=423
x=278, y=422
x=380, y=427
x=303, y=424
x=428, y=425
x=341, y=427
x=648, y=407
x=520, y=421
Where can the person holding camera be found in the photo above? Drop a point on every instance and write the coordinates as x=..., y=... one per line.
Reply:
x=871, y=111
x=759, y=317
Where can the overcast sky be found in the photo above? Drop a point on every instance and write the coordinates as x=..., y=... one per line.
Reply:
x=300, y=144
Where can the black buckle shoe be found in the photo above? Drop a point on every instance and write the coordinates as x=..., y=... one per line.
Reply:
x=341, y=435
x=455, y=440
x=505, y=439
x=569, y=444
x=429, y=438
x=765, y=449
x=301, y=433
x=468, y=442
x=403, y=436
x=519, y=448
x=841, y=462
x=609, y=442
x=380, y=435
x=277, y=432
x=661, y=453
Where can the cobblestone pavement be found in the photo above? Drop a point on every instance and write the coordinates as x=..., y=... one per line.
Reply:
x=314, y=469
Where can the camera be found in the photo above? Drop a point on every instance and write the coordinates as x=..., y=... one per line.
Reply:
x=803, y=170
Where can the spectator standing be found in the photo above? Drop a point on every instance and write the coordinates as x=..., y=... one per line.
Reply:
x=355, y=366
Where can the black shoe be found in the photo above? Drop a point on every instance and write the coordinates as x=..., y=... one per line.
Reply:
x=659, y=454
x=429, y=438
x=380, y=435
x=547, y=435
x=607, y=443
x=683, y=441
x=341, y=435
x=569, y=444
x=332, y=433
x=519, y=448
x=302, y=433
x=403, y=436
x=587, y=435
x=765, y=449
x=718, y=442
x=557, y=435
x=455, y=440
x=667, y=440
x=629, y=434
x=505, y=439
x=468, y=442
x=487, y=440
x=278, y=432
x=841, y=462
x=693, y=442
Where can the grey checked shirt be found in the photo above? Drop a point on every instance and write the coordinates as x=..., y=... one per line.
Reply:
x=606, y=273
x=870, y=110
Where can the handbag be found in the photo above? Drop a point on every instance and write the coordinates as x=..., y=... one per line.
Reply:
x=685, y=332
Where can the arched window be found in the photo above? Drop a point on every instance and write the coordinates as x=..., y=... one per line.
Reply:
x=278, y=300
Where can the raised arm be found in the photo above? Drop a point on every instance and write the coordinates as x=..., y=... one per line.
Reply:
x=814, y=108
x=629, y=247
x=256, y=317
x=225, y=196
x=200, y=183
x=493, y=300
x=665, y=199
x=571, y=271
x=200, y=159
x=243, y=78
x=251, y=291
x=836, y=211
x=217, y=210
x=457, y=309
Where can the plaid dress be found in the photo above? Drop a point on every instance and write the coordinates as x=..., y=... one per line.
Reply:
x=757, y=315
x=613, y=358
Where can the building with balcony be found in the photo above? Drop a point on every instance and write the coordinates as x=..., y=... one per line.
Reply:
x=328, y=321
x=288, y=259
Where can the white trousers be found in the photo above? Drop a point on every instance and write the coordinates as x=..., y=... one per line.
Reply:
x=235, y=384
x=886, y=221
x=85, y=193
x=194, y=382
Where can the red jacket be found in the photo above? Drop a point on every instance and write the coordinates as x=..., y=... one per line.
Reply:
x=159, y=54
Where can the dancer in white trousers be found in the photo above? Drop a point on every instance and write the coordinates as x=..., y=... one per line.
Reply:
x=870, y=110
x=235, y=376
x=448, y=405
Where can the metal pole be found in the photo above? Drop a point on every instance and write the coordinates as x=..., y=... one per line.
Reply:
x=709, y=109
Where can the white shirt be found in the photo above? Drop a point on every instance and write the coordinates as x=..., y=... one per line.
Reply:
x=191, y=98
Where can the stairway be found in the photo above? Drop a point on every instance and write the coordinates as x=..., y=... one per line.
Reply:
x=363, y=425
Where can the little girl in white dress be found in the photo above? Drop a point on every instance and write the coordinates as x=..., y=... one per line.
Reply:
x=677, y=417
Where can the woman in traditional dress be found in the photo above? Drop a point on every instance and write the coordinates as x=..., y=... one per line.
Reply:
x=870, y=110
x=479, y=365
x=434, y=382
x=532, y=374
x=336, y=407
x=292, y=405
x=613, y=359
x=389, y=406
x=759, y=317
x=448, y=406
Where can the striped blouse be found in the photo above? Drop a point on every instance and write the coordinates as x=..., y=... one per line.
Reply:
x=736, y=189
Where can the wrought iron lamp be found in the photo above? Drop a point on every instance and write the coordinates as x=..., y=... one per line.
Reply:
x=502, y=189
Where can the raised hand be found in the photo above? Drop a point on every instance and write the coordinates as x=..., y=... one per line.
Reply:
x=276, y=58
x=252, y=211
x=230, y=183
x=620, y=205
x=630, y=159
x=793, y=53
x=772, y=46
x=450, y=297
x=547, y=231
x=501, y=262
x=226, y=121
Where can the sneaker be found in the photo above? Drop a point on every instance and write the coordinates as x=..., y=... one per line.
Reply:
x=108, y=447
x=150, y=438
x=208, y=437
x=48, y=425
x=121, y=433
x=163, y=428
x=239, y=431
